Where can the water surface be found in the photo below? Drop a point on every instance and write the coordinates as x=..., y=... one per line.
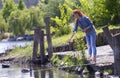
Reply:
x=10, y=45
x=37, y=72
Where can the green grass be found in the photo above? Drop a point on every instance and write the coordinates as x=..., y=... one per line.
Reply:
x=64, y=39
x=20, y=52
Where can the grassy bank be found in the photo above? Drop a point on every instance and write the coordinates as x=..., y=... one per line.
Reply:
x=27, y=51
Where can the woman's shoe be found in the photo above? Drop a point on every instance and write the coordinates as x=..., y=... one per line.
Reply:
x=94, y=58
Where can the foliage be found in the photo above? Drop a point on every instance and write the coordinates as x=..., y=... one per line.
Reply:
x=19, y=19
x=110, y=71
x=3, y=24
x=79, y=45
x=55, y=60
x=62, y=21
x=8, y=7
x=52, y=8
x=21, y=5
x=18, y=22
x=113, y=7
x=70, y=60
x=100, y=11
x=36, y=17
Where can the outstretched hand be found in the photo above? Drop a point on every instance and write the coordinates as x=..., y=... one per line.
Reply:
x=69, y=40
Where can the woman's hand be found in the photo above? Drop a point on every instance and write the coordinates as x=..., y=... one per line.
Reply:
x=69, y=40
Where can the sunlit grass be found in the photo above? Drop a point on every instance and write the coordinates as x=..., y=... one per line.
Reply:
x=64, y=39
x=20, y=52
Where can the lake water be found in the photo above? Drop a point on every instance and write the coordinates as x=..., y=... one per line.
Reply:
x=10, y=45
x=37, y=72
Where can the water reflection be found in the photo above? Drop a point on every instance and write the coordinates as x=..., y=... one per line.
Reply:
x=10, y=45
x=37, y=72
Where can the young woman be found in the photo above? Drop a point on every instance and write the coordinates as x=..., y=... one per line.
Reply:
x=87, y=26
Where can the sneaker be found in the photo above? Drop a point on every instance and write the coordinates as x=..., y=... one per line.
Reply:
x=89, y=58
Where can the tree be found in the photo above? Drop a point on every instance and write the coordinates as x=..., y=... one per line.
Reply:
x=19, y=22
x=3, y=24
x=94, y=9
x=52, y=8
x=62, y=22
x=36, y=17
x=21, y=5
x=8, y=7
x=113, y=7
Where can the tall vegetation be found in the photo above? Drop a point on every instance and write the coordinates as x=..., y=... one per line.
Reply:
x=113, y=7
x=21, y=5
x=62, y=22
x=8, y=7
x=19, y=19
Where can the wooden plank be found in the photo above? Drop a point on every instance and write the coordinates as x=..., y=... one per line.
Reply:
x=42, y=49
x=108, y=35
x=49, y=41
x=35, y=44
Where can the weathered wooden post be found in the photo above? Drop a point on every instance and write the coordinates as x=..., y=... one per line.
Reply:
x=35, y=45
x=108, y=35
x=116, y=43
x=42, y=51
x=49, y=41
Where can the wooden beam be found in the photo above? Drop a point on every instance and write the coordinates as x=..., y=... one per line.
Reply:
x=42, y=49
x=49, y=40
x=116, y=41
x=35, y=45
x=108, y=35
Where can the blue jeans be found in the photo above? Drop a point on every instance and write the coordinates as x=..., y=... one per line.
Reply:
x=91, y=42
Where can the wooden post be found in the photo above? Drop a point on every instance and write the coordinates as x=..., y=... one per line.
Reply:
x=35, y=45
x=108, y=35
x=42, y=51
x=49, y=41
x=116, y=42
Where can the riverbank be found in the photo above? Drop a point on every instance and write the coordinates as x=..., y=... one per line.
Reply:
x=104, y=56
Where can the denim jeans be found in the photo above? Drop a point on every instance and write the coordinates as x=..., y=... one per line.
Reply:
x=91, y=42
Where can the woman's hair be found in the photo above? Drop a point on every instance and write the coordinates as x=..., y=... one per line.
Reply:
x=80, y=13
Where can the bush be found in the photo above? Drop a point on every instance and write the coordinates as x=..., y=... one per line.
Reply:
x=62, y=31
